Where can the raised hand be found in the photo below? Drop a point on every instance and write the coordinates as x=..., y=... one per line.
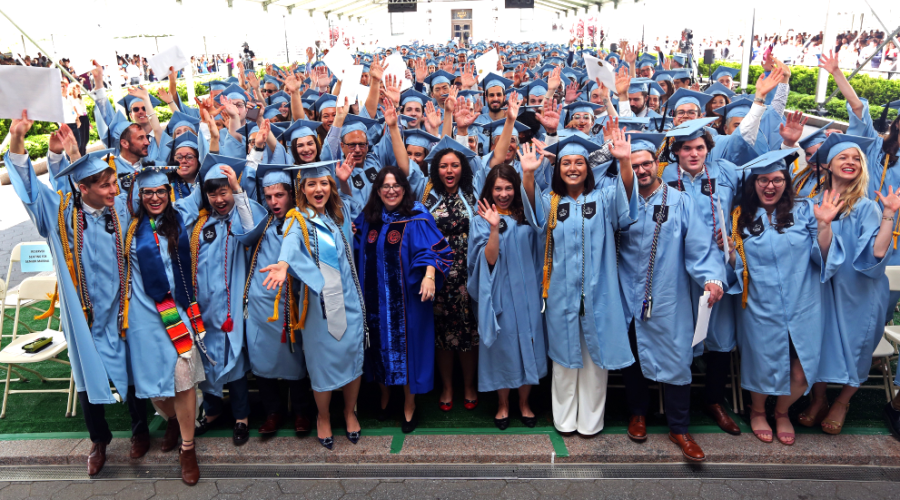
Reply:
x=554, y=81
x=341, y=112
x=344, y=170
x=390, y=112
x=463, y=115
x=826, y=211
x=571, y=93
x=229, y=107
x=450, y=101
x=322, y=78
x=392, y=88
x=620, y=148
x=232, y=178
x=667, y=64
x=549, y=115
x=433, y=116
x=629, y=54
x=476, y=104
x=623, y=80
x=165, y=96
x=540, y=149
x=793, y=128
x=421, y=70
x=765, y=84
x=891, y=201
x=253, y=81
x=530, y=157
x=829, y=63
x=489, y=213
x=292, y=83
x=512, y=106
x=97, y=74
x=140, y=92
x=467, y=76
x=376, y=69
x=768, y=62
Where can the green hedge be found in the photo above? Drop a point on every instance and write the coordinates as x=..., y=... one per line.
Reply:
x=803, y=81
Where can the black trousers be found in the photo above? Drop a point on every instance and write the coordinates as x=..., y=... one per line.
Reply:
x=95, y=416
x=272, y=400
x=677, y=398
x=718, y=365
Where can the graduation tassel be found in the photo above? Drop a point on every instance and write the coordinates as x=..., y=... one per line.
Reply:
x=228, y=325
x=581, y=310
x=647, y=308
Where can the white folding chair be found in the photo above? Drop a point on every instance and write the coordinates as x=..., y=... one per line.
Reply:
x=892, y=334
x=8, y=297
x=14, y=357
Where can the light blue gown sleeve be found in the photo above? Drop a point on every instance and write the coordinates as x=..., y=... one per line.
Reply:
x=229, y=146
x=249, y=235
x=481, y=281
x=622, y=209
x=832, y=262
x=867, y=223
x=42, y=203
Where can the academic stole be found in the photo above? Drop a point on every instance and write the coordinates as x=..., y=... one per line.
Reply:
x=156, y=283
x=647, y=305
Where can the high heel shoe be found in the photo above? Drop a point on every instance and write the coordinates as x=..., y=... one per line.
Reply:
x=470, y=404
x=502, y=423
x=353, y=437
x=807, y=420
x=410, y=425
x=327, y=442
x=528, y=421
x=834, y=427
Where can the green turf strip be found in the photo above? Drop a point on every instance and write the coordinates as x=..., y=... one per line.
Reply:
x=41, y=416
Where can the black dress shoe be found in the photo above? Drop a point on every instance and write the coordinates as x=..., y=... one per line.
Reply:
x=529, y=421
x=893, y=419
x=202, y=426
x=327, y=442
x=409, y=426
x=502, y=423
x=241, y=433
x=354, y=436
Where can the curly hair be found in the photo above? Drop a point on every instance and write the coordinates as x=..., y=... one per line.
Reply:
x=509, y=174
x=465, y=179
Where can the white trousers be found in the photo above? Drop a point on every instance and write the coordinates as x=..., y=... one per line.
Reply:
x=579, y=396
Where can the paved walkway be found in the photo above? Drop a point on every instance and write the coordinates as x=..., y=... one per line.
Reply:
x=445, y=490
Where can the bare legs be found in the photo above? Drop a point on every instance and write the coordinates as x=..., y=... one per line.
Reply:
x=468, y=360
x=183, y=406
x=323, y=401
x=503, y=402
x=409, y=400
x=782, y=403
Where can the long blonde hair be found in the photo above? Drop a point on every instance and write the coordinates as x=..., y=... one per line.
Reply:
x=332, y=206
x=858, y=187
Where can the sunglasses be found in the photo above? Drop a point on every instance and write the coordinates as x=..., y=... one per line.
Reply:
x=268, y=91
x=138, y=108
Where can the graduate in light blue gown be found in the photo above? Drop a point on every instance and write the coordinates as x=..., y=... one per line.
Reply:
x=139, y=105
x=89, y=261
x=859, y=289
x=711, y=184
x=784, y=250
x=187, y=152
x=586, y=329
x=273, y=354
x=328, y=308
x=418, y=145
x=665, y=253
x=301, y=142
x=164, y=322
x=809, y=178
x=228, y=223
x=504, y=278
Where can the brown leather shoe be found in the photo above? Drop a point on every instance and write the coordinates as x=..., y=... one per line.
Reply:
x=140, y=445
x=637, y=428
x=302, y=424
x=723, y=420
x=96, y=458
x=173, y=432
x=272, y=424
x=689, y=448
x=190, y=471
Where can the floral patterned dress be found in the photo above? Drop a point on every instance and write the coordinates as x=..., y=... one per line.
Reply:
x=455, y=326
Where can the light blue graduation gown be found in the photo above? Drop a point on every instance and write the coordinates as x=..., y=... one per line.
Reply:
x=513, y=348
x=723, y=182
x=600, y=213
x=874, y=155
x=685, y=257
x=785, y=299
x=854, y=322
x=97, y=353
x=150, y=349
x=270, y=355
x=226, y=360
x=104, y=114
x=332, y=363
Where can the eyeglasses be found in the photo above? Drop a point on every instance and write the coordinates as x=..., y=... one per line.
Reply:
x=355, y=145
x=765, y=182
x=138, y=108
x=159, y=193
x=239, y=104
x=582, y=117
x=386, y=188
x=645, y=165
x=185, y=158
x=692, y=113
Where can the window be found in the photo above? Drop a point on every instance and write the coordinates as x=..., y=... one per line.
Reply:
x=397, y=23
x=525, y=19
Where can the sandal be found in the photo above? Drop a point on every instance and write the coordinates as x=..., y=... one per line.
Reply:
x=785, y=438
x=835, y=427
x=764, y=436
x=807, y=420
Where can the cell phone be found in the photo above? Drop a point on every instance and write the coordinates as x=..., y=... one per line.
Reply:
x=252, y=114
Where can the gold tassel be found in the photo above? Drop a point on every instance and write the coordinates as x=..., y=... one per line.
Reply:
x=548, y=251
x=52, y=296
x=274, y=317
x=111, y=161
x=739, y=248
x=129, y=236
x=290, y=217
x=428, y=188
